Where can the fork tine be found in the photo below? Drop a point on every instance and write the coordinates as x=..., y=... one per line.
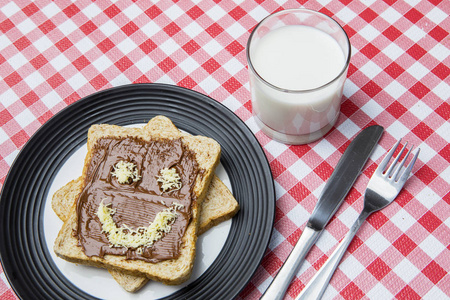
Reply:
x=399, y=168
x=387, y=158
x=394, y=163
x=406, y=173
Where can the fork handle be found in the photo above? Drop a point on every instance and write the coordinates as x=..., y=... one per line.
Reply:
x=319, y=283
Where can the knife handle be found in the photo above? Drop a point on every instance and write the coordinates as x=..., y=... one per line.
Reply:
x=282, y=280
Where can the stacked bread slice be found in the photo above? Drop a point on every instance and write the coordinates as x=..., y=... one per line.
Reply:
x=212, y=203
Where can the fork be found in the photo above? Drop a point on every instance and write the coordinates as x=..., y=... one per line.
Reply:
x=382, y=189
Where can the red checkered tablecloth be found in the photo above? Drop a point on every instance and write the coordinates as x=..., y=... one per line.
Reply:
x=52, y=53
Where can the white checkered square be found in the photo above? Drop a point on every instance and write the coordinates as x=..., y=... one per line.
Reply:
x=431, y=197
x=324, y=2
x=5, y=280
x=8, y=98
x=216, y=12
x=51, y=99
x=412, y=2
x=346, y=14
x=17, y=60
x=351, y=267
x=10, y=9
x=121, y=79
x=212, y=47
x=403, y=220
x=236, y=30
x=391, y=15
x=9, y=159
x=350, y=88
x=437, y=15
x=348, y=216
x=169, y=46
x=50, y=10
x=42, y=44
x=279, y=190
x=421, y=110
x=439, y=52
x=435, y=293
x=3, y=136
x=275, y=148
x=91, y=11
x=165, y=79
x=377, y=243
x=189, y=65
x=369, y=32
x=318, y=191
x=232, y=103
x=109, y=27
x=393, y=51
x=326, y=241
x=398, y=130
x=417, y=70
x=372, y=108
x=426, y=152
x=298, y=215
x=379, y=292
x=368, y=2
x=432, y=246
x=324, y=149
x=193, y=29
x=68, y=27
x=233, y=66
x=34, y=80
x=330, y=293
x=209, y=85
x=444, y=131
x=299, y=169
x=441, y=90
x=26, y=26
x=406, y=270
x=4, y=41
x=84, y=45
x=145, y=64
x=25, y=118
x=127, y=45
x=133, y=11
x=77, y=81
x=371, y=69
x=102, y=63
x=60, y=62
x=348, y=128
x=258, y=13
x=415, y=33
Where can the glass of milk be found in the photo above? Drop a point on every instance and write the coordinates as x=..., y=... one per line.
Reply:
x=298, y=61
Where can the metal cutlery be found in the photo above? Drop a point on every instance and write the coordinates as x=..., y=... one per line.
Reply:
x=333, y=194
x=382, y=189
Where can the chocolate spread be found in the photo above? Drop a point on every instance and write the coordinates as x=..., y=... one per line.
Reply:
x=136, y=203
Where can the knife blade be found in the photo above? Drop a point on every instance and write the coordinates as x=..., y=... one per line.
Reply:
x=333, y=194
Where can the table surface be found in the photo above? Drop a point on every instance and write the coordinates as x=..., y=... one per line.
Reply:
x=52, y=53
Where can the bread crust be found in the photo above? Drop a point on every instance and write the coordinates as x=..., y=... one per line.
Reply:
x=173, y=271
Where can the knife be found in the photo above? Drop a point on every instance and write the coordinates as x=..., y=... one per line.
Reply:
x=333, y=194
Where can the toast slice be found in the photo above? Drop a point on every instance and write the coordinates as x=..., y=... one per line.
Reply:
x=219, y=205
x=170, y=271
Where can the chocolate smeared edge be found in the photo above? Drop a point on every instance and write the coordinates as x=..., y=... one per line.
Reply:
x=136, y=203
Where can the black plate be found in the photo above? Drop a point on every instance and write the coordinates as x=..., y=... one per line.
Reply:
x=24, y=254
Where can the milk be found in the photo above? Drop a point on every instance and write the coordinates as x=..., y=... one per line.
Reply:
x=298, y=57
x=297, y=74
